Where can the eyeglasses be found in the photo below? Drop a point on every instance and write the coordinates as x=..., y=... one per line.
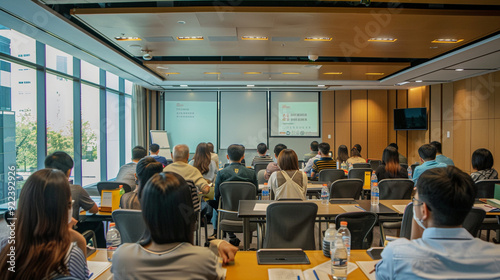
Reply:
x=415, y=200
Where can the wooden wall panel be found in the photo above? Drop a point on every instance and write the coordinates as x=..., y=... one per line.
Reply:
x=447, y=143
x=391, y=105
x=327, y=106
x=342, y=120
x=360, y=136
x=342, y=136
x=435, y=113
x=496, y=147
x=496, y=90
x=480, y=97
x=461, y=108
x=328, y=128
x=377, y=106
x=377, y=139
x=416, y=98
x=359, y=106
x=447, y=117
x=402, y=136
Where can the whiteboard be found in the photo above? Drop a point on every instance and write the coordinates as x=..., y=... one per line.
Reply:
x=160, y=137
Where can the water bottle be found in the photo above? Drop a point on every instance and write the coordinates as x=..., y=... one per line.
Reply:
x=410, y=172
x=374, y=189
x=220, y=164
x=265, y=192
x=350, y=166
x=329, y=240
x=113, y=240
x=338, y=164
x=346, y=236
x=325, y=194
x=343, y=165
x=122, y=191
x=339, y=259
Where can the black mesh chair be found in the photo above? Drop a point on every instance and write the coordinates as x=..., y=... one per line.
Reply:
x=395, y=188
x=486, y=188
x=406, y=222
x=361, y=165
x=374, y=163
x=360, y=224
x=260, y=166
x=404, y=165
x=359, y=173
x=290, y=225
x=474, y=220
x=261, y=177
x=331, y=175
x=112, y=186
x=348, y=188
x=130, y=224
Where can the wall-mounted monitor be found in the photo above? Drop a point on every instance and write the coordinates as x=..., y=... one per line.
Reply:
x=410, y=119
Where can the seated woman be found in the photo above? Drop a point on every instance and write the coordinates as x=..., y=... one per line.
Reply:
x=342, y=154
x=355, y=157
x=146, y=168
x=289, y=182
x=168, y=252
x=390, y=168
x=45, y=246
x=203, y=162
x=482, y=162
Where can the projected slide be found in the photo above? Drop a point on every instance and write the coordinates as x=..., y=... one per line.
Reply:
x=298, y=119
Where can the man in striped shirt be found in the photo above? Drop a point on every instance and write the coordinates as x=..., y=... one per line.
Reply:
x=324, y=162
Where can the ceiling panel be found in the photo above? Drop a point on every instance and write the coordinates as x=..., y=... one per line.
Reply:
x=448, y=75
x=490, y=61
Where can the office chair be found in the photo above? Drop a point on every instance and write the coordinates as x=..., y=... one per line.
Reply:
x=474, y=220
x=360, y=224
x=374, y=163
x=130, y=224
x=260, y=166
x=486, y=188
x=395, y=188
x=331, y=175
x=358, y=173
x=347, y=188
x=361, y=165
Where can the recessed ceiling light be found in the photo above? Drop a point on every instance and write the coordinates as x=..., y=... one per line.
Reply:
x=318, y=39
x=321, y=85
x=183, y=85
x=447, y=41
x=383, y=40
x=255, y=38
x=161, y=67
x=290, y=73
x=250, y=85
x=252, y=73
x=418, y=81
x=190, y=38
x=402, y=83
x=211, y=73
x=135, y=46
x=124, y=38
x=172, y=73
x=181, y=22
x=459, y=69
x=332, y=73
x=374, y=74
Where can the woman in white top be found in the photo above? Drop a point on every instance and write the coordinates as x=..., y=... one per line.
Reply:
x=202, y=160
x=355, y=157
x=289, y=182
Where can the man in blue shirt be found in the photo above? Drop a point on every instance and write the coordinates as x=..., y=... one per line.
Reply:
x=446, y=250
x=427, y=154
x=154, y=150
x=439, y=154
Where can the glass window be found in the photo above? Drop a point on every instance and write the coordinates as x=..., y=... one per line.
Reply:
x=58, y=60
x=59, y=114
x=112, y=134
x=112, y=81
x=89, y=72
x=128, y=87
x=17, y=44
x=128, y=128
x=91, y=164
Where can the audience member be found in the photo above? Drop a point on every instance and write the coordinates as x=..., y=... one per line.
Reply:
x=273, y=166
x=45, y=246
x=439, y=154
x=314, y=151
x=358, y=147
x=308, y=168
x=289, y=182
x=154, y=150
x=427, y=154
x=342, y=154
x=188, y=172
x=482, y=162
x=235, y=171
x=146, y=168
x=390, y=168
x=402, y=159
x=325, y=161
x=203, y=162
x=445, y=250
x=262, y=157
x=168, y=251
x=213, y=156
x=126, y=174
x=355, y=157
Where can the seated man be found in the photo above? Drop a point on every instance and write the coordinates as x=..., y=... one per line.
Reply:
x=446, y=250
x=273, y=166
x=325, y=161
x=126, y=174
x=262, y=157
x=235, y=171
x=439, y=154
x=154, y=150
x=427, y=154
x=311, y=160
x=314, y=151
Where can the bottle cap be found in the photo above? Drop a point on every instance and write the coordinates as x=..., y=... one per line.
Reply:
x=111, y=224
x=120, y=186
x=325, y=185
x=343, y=223
x=265, y=184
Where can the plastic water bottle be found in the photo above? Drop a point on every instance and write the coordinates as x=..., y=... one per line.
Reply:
x=339, y=259
x=265, y=192
x=344, y=165
x=325, y=194
x=113, y=240
x=329, y=240
x=374, y=189
x=346, y=236
x=122, y=191
x=350, y=166
x=338, y=164
x=410, y=172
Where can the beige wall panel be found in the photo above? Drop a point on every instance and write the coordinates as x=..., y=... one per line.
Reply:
x=461, y=101
x=480, y=97
x=402, y=144
x=447, y=105
x=435, y=131
x=496, y=90
x=402, y=98
x=327, y=106
x=377, y=139
x=342, y=106
x=377, y=105
x=479, y=134
x=496, y=152
x=391, y=105
x=416, y=139
x=416, y=97
x=435, y=103
x=461, y=144
x=491, y=136
x=327, y=128
x=447, y=143
x=359, y=106
x=360, y=136
x=342, y=135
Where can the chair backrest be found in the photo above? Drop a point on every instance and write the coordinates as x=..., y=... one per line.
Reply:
x=231, y=194
x=302, y=163
x=361, y=165
x=130, y=224
x=374, y=163
x=413, y=166
x=90, y=241
x=360, y=224
x=395, y=188
x=473, y=221
x=404, y=165
x=260, y=177
x=486, y=188
x=112, y=186
x=348, y=188
x=259, y=166
x=290, y=225
x=358, y=173
x=331, y=175
x=406, y=222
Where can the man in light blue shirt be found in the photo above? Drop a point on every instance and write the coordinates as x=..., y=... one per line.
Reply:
x=439, y=154
x=446, y=250
x=427, y=154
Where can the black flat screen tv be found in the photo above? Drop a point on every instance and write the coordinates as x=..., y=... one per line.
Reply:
x=410, y=119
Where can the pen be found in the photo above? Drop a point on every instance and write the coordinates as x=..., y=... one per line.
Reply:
x=359, y=207
x=315, y=274
x=91, y=274
x=298, y=277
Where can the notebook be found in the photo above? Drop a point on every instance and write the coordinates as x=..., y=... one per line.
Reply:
x=282, y=256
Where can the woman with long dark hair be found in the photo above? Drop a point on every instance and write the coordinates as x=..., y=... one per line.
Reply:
x=342, y=154
x=202, y=161
x=44, y=245
x=390, y=168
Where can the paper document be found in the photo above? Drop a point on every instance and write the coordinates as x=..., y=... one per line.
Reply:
x=352, y=208
x=97, y=268
x=260, y=207
x=323, y=271
x=486, y=207
x=284, y=274
x=367, y=267
x=400, y=208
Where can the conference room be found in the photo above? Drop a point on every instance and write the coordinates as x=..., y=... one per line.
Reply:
x=95, y=79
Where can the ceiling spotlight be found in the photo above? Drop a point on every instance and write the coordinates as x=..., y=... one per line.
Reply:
x=321, y=85
x=250, y=85
x=459, y=69
x=146, y=54
x=181, y=22
x=183, y=85
x=402, y=83
x=418, y=81
x=312, y=57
